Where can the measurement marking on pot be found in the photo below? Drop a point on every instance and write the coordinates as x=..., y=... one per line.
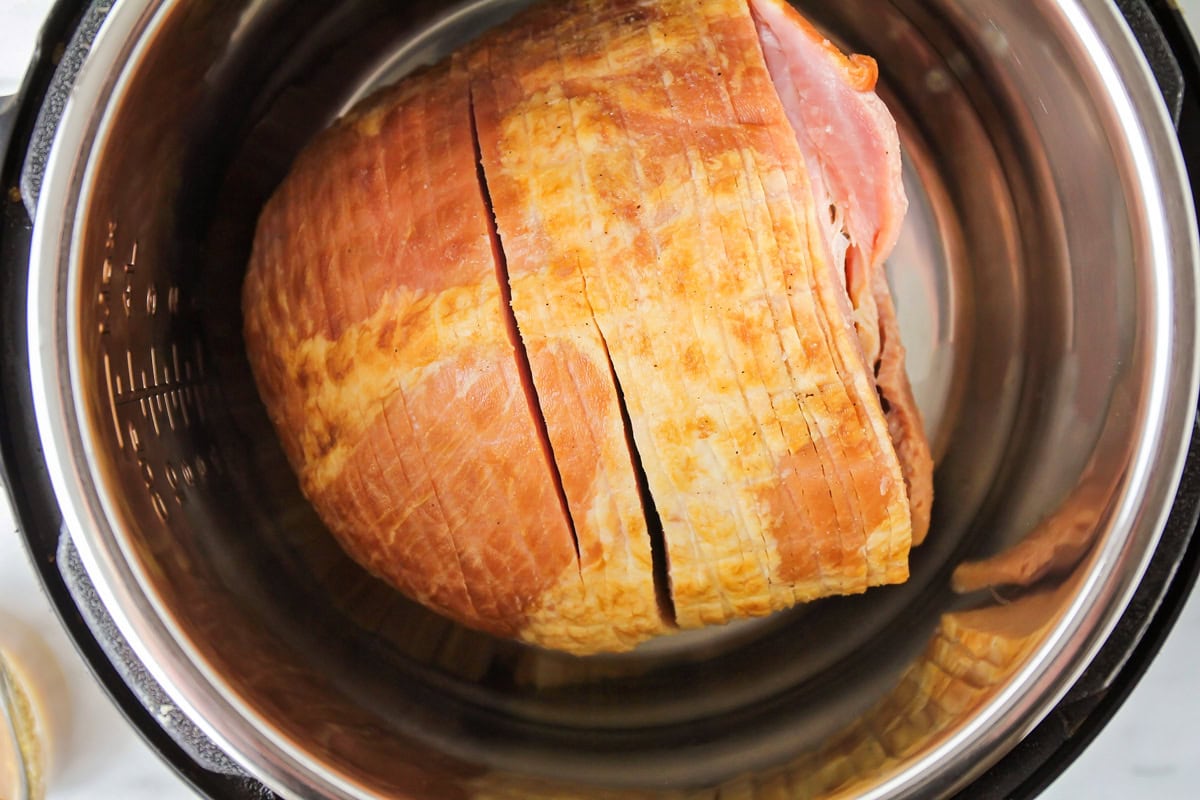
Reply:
x=112, y=400
x=160, y=505
x=167, y=410
x=105, y=310
x=156, y=383
x=161, y=388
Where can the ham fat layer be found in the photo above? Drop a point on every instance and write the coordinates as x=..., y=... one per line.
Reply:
x=596, y=243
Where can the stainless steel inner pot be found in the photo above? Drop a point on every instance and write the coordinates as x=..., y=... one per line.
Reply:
x=1046, y=284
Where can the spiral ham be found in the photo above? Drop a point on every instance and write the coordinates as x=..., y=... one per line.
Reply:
x=562, y=342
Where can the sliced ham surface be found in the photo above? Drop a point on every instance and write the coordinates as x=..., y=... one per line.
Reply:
x=583, y=277
x=567, y=354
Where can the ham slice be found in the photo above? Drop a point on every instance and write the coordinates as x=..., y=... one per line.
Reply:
x=571, y=372
x=574, y=297
x=852, y=152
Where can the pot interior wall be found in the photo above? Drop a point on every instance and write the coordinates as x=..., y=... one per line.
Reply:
x=1016, y=292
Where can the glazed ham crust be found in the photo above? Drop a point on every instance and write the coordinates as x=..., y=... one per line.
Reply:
x=580, y=276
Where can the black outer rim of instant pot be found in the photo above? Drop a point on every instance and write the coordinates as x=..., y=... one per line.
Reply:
x=22, y=469
x=1023, y=773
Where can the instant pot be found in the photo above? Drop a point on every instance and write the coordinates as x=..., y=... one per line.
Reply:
x=1046, y=284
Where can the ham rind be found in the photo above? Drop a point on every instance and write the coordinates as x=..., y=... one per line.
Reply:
x=852, y=150
x=377, y=331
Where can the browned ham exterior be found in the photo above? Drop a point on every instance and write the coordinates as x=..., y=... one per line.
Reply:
x=581, y=281
x=360, y=350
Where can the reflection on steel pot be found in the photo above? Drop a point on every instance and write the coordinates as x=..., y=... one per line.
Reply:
x=1046, y=286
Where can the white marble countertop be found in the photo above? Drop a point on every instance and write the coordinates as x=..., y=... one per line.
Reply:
x=1151, y=749
x=97, y=755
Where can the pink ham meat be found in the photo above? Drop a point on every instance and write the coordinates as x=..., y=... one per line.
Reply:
x=582, y=277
